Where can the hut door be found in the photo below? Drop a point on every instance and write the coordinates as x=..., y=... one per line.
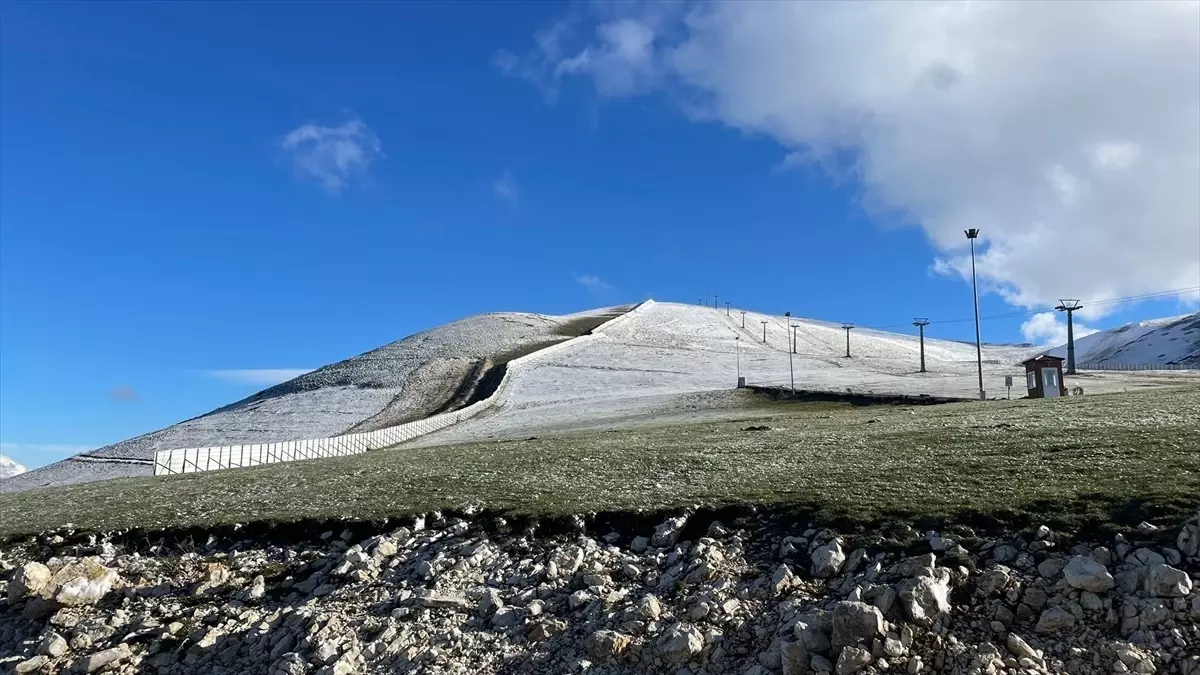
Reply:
x=1050, y=382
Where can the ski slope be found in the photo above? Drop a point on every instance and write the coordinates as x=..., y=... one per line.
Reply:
x=1174, y=340
x=662, y=352
x=402, y=381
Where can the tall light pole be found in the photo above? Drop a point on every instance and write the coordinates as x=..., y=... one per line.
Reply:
x=791, y=372
x=764, y=323
x=847, y=327
x=726, y=308
x=737, y=342
x=794, y=327
x=972, y=235
x=1069, y=306
x=921, y=323
x=714, y=300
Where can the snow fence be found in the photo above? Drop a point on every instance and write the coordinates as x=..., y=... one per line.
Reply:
x=189, y=460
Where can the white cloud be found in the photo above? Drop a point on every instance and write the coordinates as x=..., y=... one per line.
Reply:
x=505, y=188
x=1065, y=131
x=9, y=467
x=1046, y=329
x=259, y=377
x=593, y=283
x=332, y=155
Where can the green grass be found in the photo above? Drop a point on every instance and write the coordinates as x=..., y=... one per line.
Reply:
x=1119, y=457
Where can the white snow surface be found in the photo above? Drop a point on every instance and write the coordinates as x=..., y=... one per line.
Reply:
x=664, y=350
x=1174, y=340
x=9, y=467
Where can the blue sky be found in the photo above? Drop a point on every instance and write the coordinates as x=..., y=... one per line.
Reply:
x=191, y=194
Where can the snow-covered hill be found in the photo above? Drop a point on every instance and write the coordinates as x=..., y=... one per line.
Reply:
x=656, y=359
x=408, y=379
x=1170, y=341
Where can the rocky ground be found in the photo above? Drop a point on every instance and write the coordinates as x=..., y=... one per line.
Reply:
x=755, y=595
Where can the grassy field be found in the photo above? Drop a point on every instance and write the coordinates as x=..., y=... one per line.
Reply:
x=1118, y=457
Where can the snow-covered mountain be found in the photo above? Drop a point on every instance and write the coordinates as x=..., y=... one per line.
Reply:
x=1171, y=341
x=9, y=467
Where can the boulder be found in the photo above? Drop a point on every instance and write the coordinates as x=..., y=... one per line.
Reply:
x=54, y=646
x=1085, y=574
x=681, y=642
x=994, y=580
x=1051, y=567
x=855, y=623
x=1164, y=581
x=827, y=560
x=605, y=645
x=852, y=660
x=1019, y=648
x=1188, y=541
x=29, y=579
x=793, y=658
x=1055, y=619
x=925, y=597
x=668, y=531
x=83, y=582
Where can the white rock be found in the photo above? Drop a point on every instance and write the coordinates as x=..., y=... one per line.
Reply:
x=668, y=531
x=1164, y=581
x=1055, y=619
x=53, y=646
x=681, y=642
x=925, y=597
x=649, y=607
x=852, y=660
x=1019, y=647
x=603, y=645
x=827, y=560
x=1084, y=573
x=855, y=623
x=568, y=559
x=29, y=579
x=1188, y=541
x=84, y=582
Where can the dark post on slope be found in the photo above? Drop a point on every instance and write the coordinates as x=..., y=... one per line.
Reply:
x=972, y=235
x=791, y=373
x=1069, y=306
x=726, y=308
x=920, y=324
x=764, y=323
x=737, y=348
x=743, y=319
x=847, y=327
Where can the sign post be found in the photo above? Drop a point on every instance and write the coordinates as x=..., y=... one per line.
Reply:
x=1008, y=384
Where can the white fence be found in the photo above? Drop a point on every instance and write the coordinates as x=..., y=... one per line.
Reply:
x=1135, y=366
x=189, y=460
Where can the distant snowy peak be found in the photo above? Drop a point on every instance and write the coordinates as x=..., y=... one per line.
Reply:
x=9, y=467
x=1171, y=341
